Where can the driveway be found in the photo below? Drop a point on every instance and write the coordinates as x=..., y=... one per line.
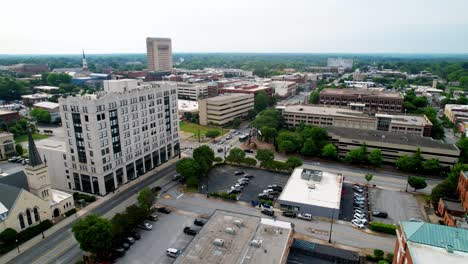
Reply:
x=400, y=206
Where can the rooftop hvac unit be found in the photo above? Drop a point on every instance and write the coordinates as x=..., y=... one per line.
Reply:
x=238, y=223
x=256, y=242
x=311, y=185
x=230, y=230
x=218, y=242
x=317, y=176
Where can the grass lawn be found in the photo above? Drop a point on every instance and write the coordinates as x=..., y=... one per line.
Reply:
x=36, y=136
x=193, y=128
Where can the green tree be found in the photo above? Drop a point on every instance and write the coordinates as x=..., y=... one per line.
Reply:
x=375, y=158
x=236, y=122
x=310, y=148
x=405, y=163
x=264, y=155
x=357, y=155
x=204, y=156
x=94, y=234
x=19, y=149
x=462, y=100
x=368, y=177
x=268, y=133
x=294, y=162
x=288, y=141
x=236, y=155
x=146, y=198
x=135, y=214
x=251, y=114
x=8, y=236
x=287, y=146
x=41, y=115
x=462, y=144
x=431, y=166
x=269, y=118
x=212, y=133
x=120, y=225
x=329, y=151
x=417, y=182
x=314, y=97
x=188, y=168
x=261, y=101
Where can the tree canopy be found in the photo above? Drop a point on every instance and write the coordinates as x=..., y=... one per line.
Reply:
x=94, y=234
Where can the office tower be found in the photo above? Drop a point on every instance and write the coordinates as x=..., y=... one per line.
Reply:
x=159, y=53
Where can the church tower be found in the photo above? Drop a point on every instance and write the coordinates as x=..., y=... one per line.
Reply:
x=37, y=173
x=85, y=64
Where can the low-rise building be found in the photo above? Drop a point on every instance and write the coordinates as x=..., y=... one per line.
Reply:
x=52, y=108
x=313, y=192
x=455, y=212
x=374, y=100
x=393, y=145
x=284, y=89
x=192, y=91
x=421, y=243
x=7, y=145
x=339, y=117
x=30, y=99
x=8, y=117
x=456, y=113
x=46, y=88
x=247, y=89
x=223, y=109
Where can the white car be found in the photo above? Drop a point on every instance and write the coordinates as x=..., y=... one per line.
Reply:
x=307, y=217
x=357, y=224
x=358, y=211
x=361, y=220
x=361, y=216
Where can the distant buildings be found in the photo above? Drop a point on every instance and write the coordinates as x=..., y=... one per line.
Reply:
x=45, y=88
x=421, y=243
x=340, y=63
x=223, y=109
x=117, y=135
x=247, y=89
x=52, y=108
x=29, y=68
x=7, y=145
x=284, y=89
x=340, y=117
x=8, y=117
x=30, y=99
x=455, y=212
x=374, y=101
x=192, y=91
x=456, y=113
x=159, y=53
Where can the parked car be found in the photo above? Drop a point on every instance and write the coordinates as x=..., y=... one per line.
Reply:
x=220, y=150
x=266, y=206
x=275, y=187
x=238, y=173
x=129, y=240
x=117, y=252
x=199, y=222
x=238, y=186
x=135, y=235
x=176, y=177
x=357, y=224
x=415, y=220
x=172, y=252
x=268, y=212
x=359, y=211
x=358, y=189
x=233, y=191
x=359, y=199
x=164, y=210
x=248, y=176
x=153, y=217
x=359, y=202
x=229, y=137
x=125, y=245
x=248, y=151
x=359, y=206
x=380, y=214
x=357, y=215
x=190, y=230
x=145, y=226
x=13, y=159
x=266, y=197
x=360, y=220
x=244, y=179
x=303, y=216
x=289, y=214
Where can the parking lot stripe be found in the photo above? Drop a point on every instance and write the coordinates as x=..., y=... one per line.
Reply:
x=180, y=196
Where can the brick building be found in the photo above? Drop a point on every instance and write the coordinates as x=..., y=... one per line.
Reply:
x=454, y=211
x=8, y=117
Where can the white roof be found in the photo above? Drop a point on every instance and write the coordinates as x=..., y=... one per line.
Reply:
x=58, y=196
x=325, y=193
x=187, y=106
x=421, y=253
x=36, y=95
x=275, y=223
x=48, y=105
x=46, y=88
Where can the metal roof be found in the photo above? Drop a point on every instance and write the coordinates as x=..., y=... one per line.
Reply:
x=34, y=157
x=9, y=195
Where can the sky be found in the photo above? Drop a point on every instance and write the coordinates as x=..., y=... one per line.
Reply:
x=296, y=26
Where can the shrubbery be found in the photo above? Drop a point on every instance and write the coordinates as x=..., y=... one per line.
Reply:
x=379, y=257
x=218, y=159
x=383, y=227
x=9, y=236
x=87, y=198
x=224, y=195
x=70, y=212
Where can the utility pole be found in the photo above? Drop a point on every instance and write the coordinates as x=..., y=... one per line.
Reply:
x=331, y=227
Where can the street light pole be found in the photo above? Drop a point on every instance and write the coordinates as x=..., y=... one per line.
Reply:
x=331, y=227
x=17, y=246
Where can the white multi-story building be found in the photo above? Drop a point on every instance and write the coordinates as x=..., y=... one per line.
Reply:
x=119, y=134
x=192, y=91
x=159, y=53
x=283, y=88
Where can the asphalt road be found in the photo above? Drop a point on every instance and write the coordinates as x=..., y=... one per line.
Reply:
x=53, y=249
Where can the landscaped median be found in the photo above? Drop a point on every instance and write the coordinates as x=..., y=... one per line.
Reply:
x=383, y=227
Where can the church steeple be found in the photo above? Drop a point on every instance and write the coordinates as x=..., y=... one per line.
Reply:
x=34, y=157
x=85, y=64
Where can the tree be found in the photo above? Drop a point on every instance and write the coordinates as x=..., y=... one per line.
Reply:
x=269, y=118
x=19, y=149
x=212, y=133
x=405, y=163
x=188, y=168
x=236, y=122
x=120, y=225
x=236, y=155
x=264, y=155
x=431, y=166
x=462, y=144
x=268, y=133
x=310, y=148
x=375, y=158
x=462, y=100
x=94, y=234
x=135, y=214
x=204, y=156
x=41, y=115
x=314, y=97
x=417, y=182
x=146, y=198
x=294, y=162
x=368, y=177
x=288, y=141
x=261, y=101
x=8, y=236
x=251, y=114
x=357, y=156
x=329, y=151
x=287, y=146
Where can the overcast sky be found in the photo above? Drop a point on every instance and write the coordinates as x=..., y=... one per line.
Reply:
x=117, y=26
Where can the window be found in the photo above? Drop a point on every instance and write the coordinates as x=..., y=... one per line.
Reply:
x=28, y=216
x=36, y=215
x=21, y=221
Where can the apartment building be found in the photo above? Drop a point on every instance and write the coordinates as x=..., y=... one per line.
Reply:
x=454, y=212
x=456, y=113
x=159, y=53
x=341, y=117
x=117, y=135
x=373, y=100
x=222, y=109
x=284, y=89
x=192, y=91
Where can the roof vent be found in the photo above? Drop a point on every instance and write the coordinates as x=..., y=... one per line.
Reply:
x=311, y=185
x=218, y=242
x=230, y=230
x=256, y=242
x=238, y=223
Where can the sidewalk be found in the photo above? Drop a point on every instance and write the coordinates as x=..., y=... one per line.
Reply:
x=83, y=212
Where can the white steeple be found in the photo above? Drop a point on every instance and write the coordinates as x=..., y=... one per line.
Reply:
x=85, y=64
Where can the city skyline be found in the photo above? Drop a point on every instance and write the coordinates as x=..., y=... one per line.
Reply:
x=239, y=27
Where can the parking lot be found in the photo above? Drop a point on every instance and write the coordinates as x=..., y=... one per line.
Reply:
x=10, y=167
x=221, y=178
x=400, y=206
x=167, y=232
x=346, y=206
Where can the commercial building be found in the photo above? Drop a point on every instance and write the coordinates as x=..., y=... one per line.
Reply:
x=223, y=109
x=421, y=243
x=30, y=99
x=27, y=197
x=313, y=192
x=192, y=91
x=119, y=134
x=456, y=113
x=7, y=145
x=339, y=117
x=53, y=154
x=455, y=212
x=52, y=108
x=228, y=73
x=46, y=88
x=340, y=63
x=284, y=89
x=247, y=89
x=159, y=53
x=8, y=117
x=374, y=101
x=29, y=68
x=393, y=145
x=230, y=237
x=187, y=106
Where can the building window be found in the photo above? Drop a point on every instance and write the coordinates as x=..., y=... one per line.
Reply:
x=28, y=216
x=36, y=215
x=21, y=221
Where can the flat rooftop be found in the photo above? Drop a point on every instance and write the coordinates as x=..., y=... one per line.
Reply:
x=237, y=248
x=46, y=87
x=360, y=92
x=187, y=106
x=228, y=96
x=51, y=145
x=312, y=187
